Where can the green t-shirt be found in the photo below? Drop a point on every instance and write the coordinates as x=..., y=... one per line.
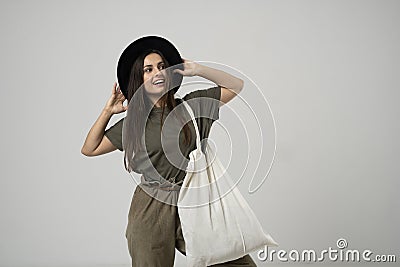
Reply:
x=165, y=160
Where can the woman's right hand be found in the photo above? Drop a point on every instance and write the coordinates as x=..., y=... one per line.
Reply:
x=115, y=102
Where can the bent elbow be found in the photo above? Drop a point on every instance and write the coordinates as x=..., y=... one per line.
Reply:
x=85, y=152
x=241, y=85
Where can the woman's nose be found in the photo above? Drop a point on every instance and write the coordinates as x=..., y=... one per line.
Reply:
x=157, y=73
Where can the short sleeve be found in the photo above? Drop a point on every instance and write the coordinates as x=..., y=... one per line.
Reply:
x=208, y=104
x=114, y=134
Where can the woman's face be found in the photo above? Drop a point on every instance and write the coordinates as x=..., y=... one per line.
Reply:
x=153, y=76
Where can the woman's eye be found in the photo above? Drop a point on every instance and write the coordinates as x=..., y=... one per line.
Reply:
x=161, y=67
x=147, y=70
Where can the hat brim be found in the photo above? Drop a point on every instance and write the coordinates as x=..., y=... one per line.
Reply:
x=136, y=48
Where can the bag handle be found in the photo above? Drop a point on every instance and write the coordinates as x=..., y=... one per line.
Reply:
x=189, y=109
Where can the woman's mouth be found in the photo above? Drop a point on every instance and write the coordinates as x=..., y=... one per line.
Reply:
x=159, y=82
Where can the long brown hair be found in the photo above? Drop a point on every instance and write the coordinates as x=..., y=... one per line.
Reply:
x=142, y=105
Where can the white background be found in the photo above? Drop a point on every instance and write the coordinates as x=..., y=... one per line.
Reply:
x=329, y=70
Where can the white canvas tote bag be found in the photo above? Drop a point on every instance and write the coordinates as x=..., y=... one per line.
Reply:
x=217, y=223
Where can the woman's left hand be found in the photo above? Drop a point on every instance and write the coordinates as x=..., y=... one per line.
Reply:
x=190, y=68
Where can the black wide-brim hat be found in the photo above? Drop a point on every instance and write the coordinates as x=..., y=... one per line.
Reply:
x=136, y=48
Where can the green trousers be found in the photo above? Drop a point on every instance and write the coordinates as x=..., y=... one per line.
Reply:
x=154, y=231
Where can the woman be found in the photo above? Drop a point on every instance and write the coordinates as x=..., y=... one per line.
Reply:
x=154, y=231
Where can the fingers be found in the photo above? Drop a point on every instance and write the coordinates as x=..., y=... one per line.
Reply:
x=178, y=71
x=114, y=88
x=185, y=60
x=117, y=90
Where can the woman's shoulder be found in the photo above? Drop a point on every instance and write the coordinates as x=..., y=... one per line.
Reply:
x=117, y=126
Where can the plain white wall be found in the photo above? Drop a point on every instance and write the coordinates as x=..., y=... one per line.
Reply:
x=329, y=70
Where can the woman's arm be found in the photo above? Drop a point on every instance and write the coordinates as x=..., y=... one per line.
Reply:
x=230, y=85
x=96, y=142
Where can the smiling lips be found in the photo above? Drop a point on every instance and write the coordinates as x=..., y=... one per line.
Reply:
x=158, y=82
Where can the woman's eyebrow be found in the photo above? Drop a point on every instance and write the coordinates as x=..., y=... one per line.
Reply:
x=150, y=65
